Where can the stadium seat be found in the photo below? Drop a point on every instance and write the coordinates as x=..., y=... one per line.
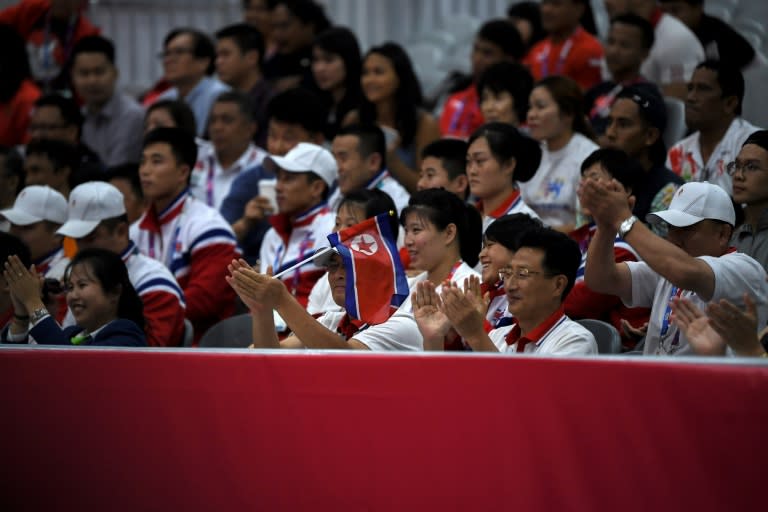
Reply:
x=675, y=121
x=606, y=335
x=233, y=332
x=721, y=11
x=189, y=333
x=462, y=26
x=754, y=108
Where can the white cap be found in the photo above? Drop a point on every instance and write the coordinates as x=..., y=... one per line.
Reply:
x=37, y=203
x=694, y=202
x=89, y=204
x=306, y=157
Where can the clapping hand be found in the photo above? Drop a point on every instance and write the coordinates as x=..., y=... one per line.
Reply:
x=461, y=309
x=432, y=323
x=25, y=285
x=258, y=291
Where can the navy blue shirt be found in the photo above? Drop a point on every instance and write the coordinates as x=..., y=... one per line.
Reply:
x=244, y=188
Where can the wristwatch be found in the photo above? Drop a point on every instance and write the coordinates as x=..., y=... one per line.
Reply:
x=37, y=315
x=625, y=226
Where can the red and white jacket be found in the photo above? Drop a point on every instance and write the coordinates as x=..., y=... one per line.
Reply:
x=164, y=305
x=512, y=204
x=286, y=243
x=196, y=244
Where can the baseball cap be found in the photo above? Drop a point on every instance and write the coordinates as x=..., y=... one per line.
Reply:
x=89, y=204
x=694, y=202
x=306, y=157
x=649, y=102
x=37, y=203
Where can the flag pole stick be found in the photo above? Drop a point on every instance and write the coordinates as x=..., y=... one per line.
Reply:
x=322, y=251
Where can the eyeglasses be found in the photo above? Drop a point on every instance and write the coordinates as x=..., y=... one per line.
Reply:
x=746, y=168
x=174, y=52
x=521, y=273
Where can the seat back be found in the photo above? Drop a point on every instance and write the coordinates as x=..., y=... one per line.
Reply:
x=189, y=333
x=232, y=332
x=607, y=337
x=675, y=121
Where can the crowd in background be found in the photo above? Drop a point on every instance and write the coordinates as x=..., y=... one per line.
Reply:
x=548, y=188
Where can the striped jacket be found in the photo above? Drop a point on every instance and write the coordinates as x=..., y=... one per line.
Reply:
x=196, y=244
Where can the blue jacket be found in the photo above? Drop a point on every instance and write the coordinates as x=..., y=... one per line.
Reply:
x=244, y=188
x=118, y=333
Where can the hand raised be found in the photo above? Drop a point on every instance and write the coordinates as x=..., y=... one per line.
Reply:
x=257, y=291
x=25, y=284
x=432, y=323
x=694, y=324
x=461, y=309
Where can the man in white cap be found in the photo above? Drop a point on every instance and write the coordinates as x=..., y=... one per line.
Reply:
x=694, y=262
x=97, y=219
x=305, y=176
x=35, y=216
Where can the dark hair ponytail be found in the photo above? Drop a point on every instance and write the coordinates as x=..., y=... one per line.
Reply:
x=441, y=208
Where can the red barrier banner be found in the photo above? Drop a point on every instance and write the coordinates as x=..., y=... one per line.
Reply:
x=90, y=429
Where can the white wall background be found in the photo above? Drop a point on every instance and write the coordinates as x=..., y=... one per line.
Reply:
x=138, y=28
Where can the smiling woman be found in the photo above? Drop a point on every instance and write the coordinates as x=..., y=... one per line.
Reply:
x=392, y=98
x=106, y=307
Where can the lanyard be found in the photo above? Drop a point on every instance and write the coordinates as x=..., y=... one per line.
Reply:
x=675, y=292
x=47, y=51
x=209, y=181
x=564, y=51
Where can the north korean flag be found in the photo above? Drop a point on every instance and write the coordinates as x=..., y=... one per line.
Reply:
x=375, y=279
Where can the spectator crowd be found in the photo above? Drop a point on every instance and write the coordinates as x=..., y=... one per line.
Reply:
x=542, y=201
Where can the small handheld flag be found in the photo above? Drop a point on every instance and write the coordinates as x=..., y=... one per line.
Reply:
x=375, y=280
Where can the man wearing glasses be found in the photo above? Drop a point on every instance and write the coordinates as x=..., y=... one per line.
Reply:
x=695, y=262
x=749, y=173
x=188, y=62
x=536, y=281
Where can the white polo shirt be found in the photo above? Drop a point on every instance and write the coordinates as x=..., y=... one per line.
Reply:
x=320, y=298
x=210, y=182
x=551, y=193
x=735, y=274
x=675, y=53
x=564, y=338
x=457, y=275
x=399, y=332
x=685, y=160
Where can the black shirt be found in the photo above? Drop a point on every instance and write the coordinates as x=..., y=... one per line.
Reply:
x=721, y=41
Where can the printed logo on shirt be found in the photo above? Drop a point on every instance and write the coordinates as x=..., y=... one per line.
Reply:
x=554, y=187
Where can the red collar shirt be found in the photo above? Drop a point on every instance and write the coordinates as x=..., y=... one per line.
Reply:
x=557, y=335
